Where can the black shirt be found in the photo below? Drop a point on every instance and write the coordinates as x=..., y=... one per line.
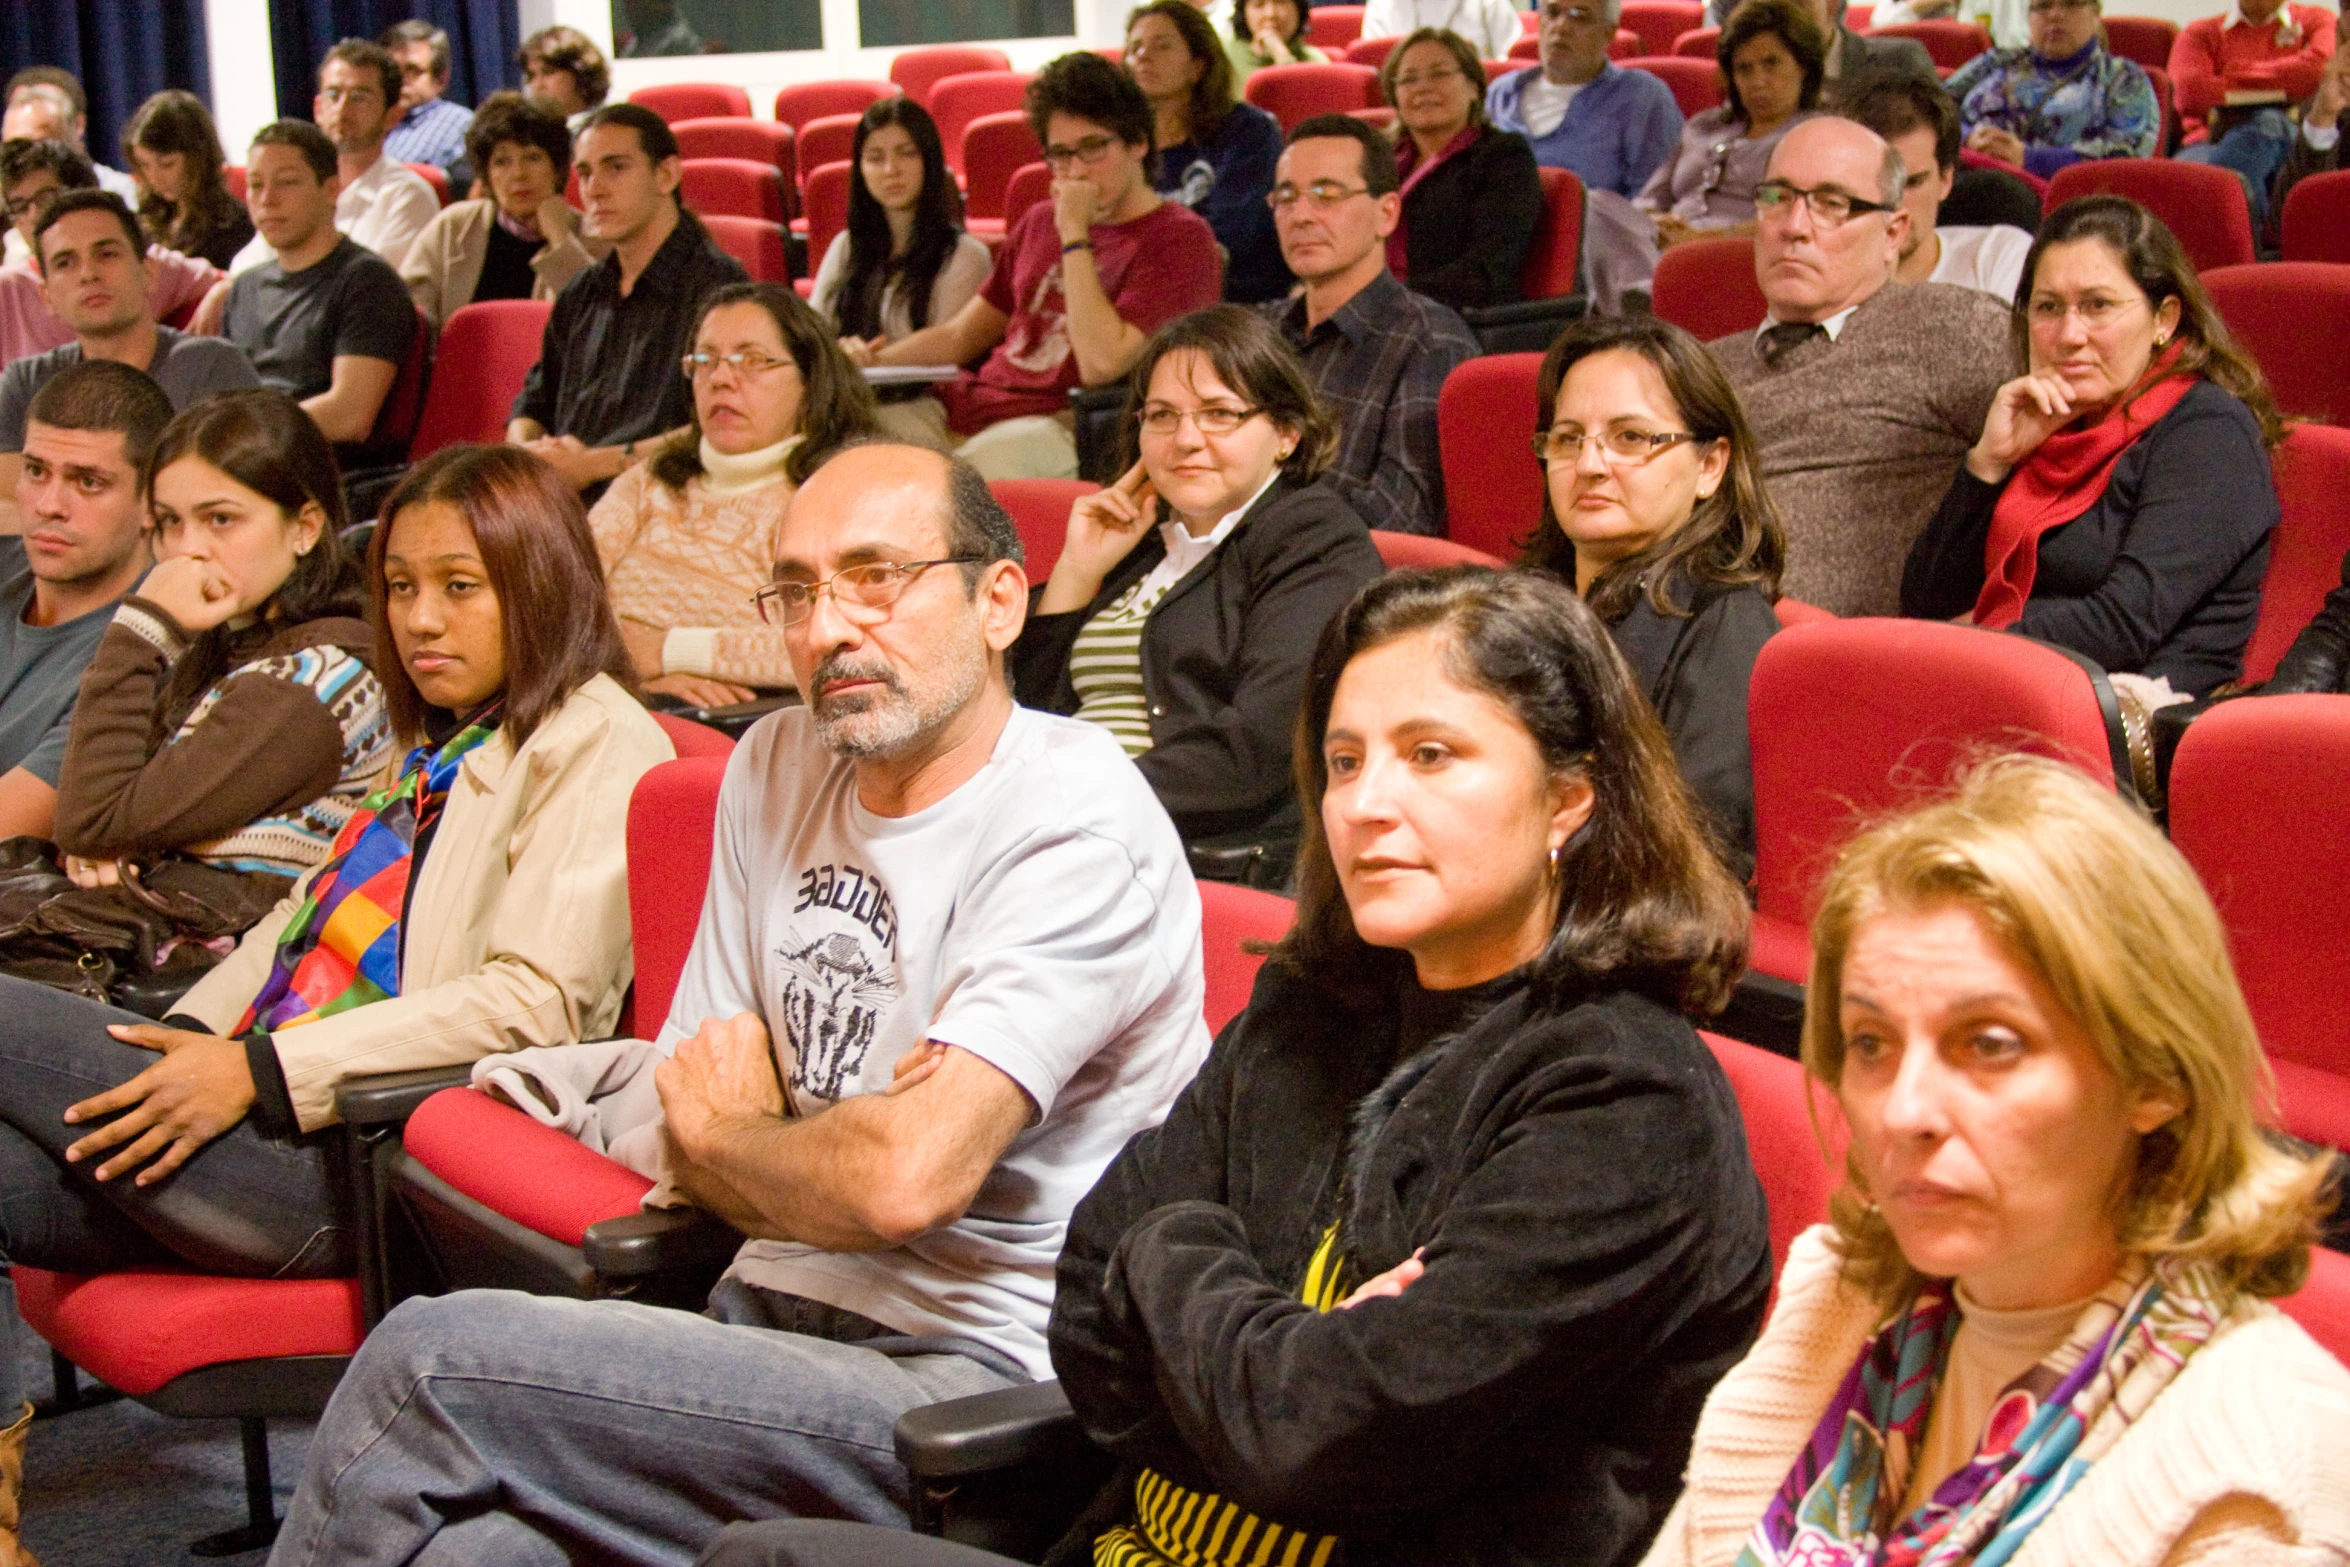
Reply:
x=505, y=270
x=294, y=325
x=607, y=370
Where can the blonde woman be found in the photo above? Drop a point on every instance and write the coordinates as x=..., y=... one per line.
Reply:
x=2036, y=1330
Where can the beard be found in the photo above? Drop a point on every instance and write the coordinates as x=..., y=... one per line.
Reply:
x=898, y=717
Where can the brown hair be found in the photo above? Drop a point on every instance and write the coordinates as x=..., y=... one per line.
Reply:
x=1085, y=86
x=568, y=49
x=1644, y=903
x=1255, y=361
x=177, y=121
x=365, y=54
x=1793, y=25
x=1464, y=55
x=1214, y=94
x=556, y=622
x=835, y=403
x=510, y=117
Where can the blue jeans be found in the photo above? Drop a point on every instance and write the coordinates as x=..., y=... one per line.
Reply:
x=2253, y=149
x=490, y=1426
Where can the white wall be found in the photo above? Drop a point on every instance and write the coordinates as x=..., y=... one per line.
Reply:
x=244, y=80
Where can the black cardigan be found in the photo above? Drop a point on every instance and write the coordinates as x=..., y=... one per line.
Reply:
x=2161, y=577
x=1468, y=225
x=1596, y=1253
x=2319, y=659
x=1224, y=656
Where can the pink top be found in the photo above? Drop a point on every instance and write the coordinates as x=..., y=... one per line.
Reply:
x=28, y=326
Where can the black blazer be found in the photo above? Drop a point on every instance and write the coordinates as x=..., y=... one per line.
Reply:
x=1224, y=657
x=1468, y=225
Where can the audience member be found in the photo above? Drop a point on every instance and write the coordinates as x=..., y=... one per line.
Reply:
x=2064, y=98
x=619, y=327
x=81, y=502
x=1216, y=154
x=519, y=240
x=1610, y=127
x=969, y=928
x=1919, y=121
x=1771, y=55
x=32, y=174
x=184, y=201
x=1080, y=284
x=1269, y=32
x=2061, y=1220
x=46, y=103
x=1376, y=353
x=905, y=260
x=379, y=202
x=324, y=321
x=563, y=66
x=429, y=129
x=1654, y=507
x=1471, y=198
x=2119, y=502
x=2318, y=149
x=2235, y=77
x=687, y=538
x=1865, y=397
x=2319, y=659
x=1848, y=60
x=1489, y=27
x=1189, y=640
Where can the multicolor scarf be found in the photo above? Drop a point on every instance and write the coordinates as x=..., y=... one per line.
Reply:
x=2046, y=1428
x=342, y=947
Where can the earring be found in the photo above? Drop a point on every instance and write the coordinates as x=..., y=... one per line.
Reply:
x=1283, y=455
x=1554, y=860
x=2162, y=340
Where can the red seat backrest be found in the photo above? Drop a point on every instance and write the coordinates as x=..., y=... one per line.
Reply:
x=1372, y=52
x=918, y=71
x=995, y=147
x=434, y=175
x=495, y=342
x=801, y=102
x=2145, y=39
x=1778, y=1101
x=736, y=187
x=689, y=738
x=755, y=242
x=1554, y=259
x=2295, y=318
x=1485, y=422
x=1529, y=49
x=233, y=174
x=2202, y=203
x=1969, y=158
x=956, y=101
x=1230, y=915
x=403, y=406
x=2317, y=218
x=1403, y=551
x=672, y=819
x=1040, y=510
x=826, y=201
x=2159, y=79
x=1699, y=43
x=2305, y=553
x=1708, y=287
x=1949, y=42
x=1696, y=84
x=1330, y=28
x=1293, y=93
x=675, y=101
x=1030, y=184
x=1495, y=70
x=832, y=139
x=759, y=141
x=1659, y=22
x=1795, y=612
x=2323, y=1305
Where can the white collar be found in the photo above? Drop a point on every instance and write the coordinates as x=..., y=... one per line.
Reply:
x=732, y=474
x=1185, y=551
x=1833, y=326
x=2237, y=18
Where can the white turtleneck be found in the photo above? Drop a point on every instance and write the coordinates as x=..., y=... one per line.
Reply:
x=724, y=474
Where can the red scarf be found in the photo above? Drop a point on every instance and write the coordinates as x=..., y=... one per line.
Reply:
x=1409, y=164
x=2059, y=482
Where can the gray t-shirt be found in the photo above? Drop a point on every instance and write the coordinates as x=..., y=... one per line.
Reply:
x=293, y=325
x=40, y=671
x=187, y=368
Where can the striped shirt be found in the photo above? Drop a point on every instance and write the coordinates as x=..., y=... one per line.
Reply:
x=289, y=842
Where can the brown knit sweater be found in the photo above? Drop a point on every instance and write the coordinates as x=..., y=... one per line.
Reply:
x=1860, y=436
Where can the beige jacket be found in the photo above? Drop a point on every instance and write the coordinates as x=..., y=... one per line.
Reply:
x=517, y=928
x=2245, y=1458
x=444, y=263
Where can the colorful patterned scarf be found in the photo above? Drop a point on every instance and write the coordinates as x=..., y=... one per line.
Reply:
x=342, y=947
x=2046, y=1428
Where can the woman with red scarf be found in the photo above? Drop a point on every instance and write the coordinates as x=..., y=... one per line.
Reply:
x=1471, y=196
x=2119, y=502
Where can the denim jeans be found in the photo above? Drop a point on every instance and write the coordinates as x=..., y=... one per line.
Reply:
x=490, y=1426
x=2253, y=150
x=810, y=1542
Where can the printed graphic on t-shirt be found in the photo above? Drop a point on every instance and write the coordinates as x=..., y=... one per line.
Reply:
x=838, y=962
x=1037, y=340
x=1199, y=180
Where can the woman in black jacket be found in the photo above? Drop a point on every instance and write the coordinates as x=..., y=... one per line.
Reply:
x=1471, y=196
x=1185, y=604
x=1654, y=507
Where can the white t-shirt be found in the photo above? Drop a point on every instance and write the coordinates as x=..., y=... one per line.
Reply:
x=1990, y=258
x=1543, y=103
x=1042, y=917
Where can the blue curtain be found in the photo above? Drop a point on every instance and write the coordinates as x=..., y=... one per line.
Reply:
x=122, y=51
x=483, y=38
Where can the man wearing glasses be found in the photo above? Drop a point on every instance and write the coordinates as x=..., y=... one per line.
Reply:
x=949, y=963
x=1864, y=395
x=1081, y=282
x=1608, y=126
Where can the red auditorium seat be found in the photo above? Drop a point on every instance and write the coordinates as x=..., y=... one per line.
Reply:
x=1330, y=28
x=2159, y=79
x=1372, y=52
x=756, y=243
x=1495, y=70
x=2260, y=806
x=676, y=101
x=2295, y=318
x=435, y=176
x=233, y=175
x=402, y=412
x=736, y=187
x=1795, y=612
x=2316, y=224
x=496, y=341
x=832, y=139
x=2202, y=203
x=2305, y=553
x=2145, y=39
x=1030, y=184
x=1528, y=49
x=957, y=101
x=801, y=102
x=1858, y=17
x=1854, y=717
x=690, y=739
x=1485, y=422
x=1040, y=510
x=759, y=141
x=826, y=203
x=2323, y=1305
x=917, y=71
x=1554, y=258
x=1950, y=43
x=1659, y=22
x=1229, y=916
x=1794, y=1134
x=1383, y=117
x=1696, y=84
x=1699, y=43
x=1707, y=286
x=995, y=147
x=1404, y=551
x=1292, y=93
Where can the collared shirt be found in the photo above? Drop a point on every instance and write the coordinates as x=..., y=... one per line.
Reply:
x=382, y=210
x=607, y=370
x=1185, y=551
x=1378, y=363
x=433, y=132
x=1833, y=326
x=1612, y=132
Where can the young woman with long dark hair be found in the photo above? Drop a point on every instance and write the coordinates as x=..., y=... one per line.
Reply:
x=186, y=204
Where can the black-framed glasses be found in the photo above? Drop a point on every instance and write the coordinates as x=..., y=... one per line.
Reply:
x=1089, y=149
x=876, y=585
x=1562, y=445
x=1164, y=419
x=1830, y=208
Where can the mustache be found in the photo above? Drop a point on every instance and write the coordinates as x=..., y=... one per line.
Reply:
x=838, y=667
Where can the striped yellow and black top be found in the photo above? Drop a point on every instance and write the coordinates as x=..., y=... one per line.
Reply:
x=1105, y=665
x=1176, y=1527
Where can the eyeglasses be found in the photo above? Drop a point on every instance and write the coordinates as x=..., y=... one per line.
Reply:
x=2096, y=312
x=1412, y=79
x=743, y=362
x=1324, y=194
x=1091, y=149
x=1162, y=419
x=1829, y=208
x=1617, y=447
x=350, y=95
x=871, y=587
x=21, y=206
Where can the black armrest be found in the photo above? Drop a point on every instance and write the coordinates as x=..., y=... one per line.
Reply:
x=394, y=1096
x=661, y=1240
x=988, y=1431
x=1765, y=1011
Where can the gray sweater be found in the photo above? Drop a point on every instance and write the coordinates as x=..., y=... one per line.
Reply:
x=1860, y=435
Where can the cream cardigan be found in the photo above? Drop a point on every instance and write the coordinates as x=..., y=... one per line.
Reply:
x=444, y=264
x=2245, y=1458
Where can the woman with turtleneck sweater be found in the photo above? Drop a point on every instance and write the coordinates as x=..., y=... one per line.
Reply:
x=687, y=536
x=2063, y=98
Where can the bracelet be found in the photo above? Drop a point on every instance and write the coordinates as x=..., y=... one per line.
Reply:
x=1082, y=244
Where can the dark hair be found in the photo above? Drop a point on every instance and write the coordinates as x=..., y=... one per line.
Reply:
x=1214, y=94
x=1305, y=8
x=104, y=201
x=415, y=31
x=49, y=76
x=556, y=622
x=1464, y=58
x=835, y=403
x=1379, y=171
x=1256, y=361
x=1793, y=25
x=1644, y=903
x=938, y=225
x=1896, y=103
x=653, y=135
x=22, y=158
x=2152, y=257
x=363, y=54
x=977, y=523
x=569, y=49
x=510, y=117
x=174, y=121
x=1087, y=87
x=102, y=395
x=266, y=442
x=306, y=139
x=1732, y=538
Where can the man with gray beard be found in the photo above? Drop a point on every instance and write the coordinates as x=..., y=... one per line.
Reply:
x=949, y=963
